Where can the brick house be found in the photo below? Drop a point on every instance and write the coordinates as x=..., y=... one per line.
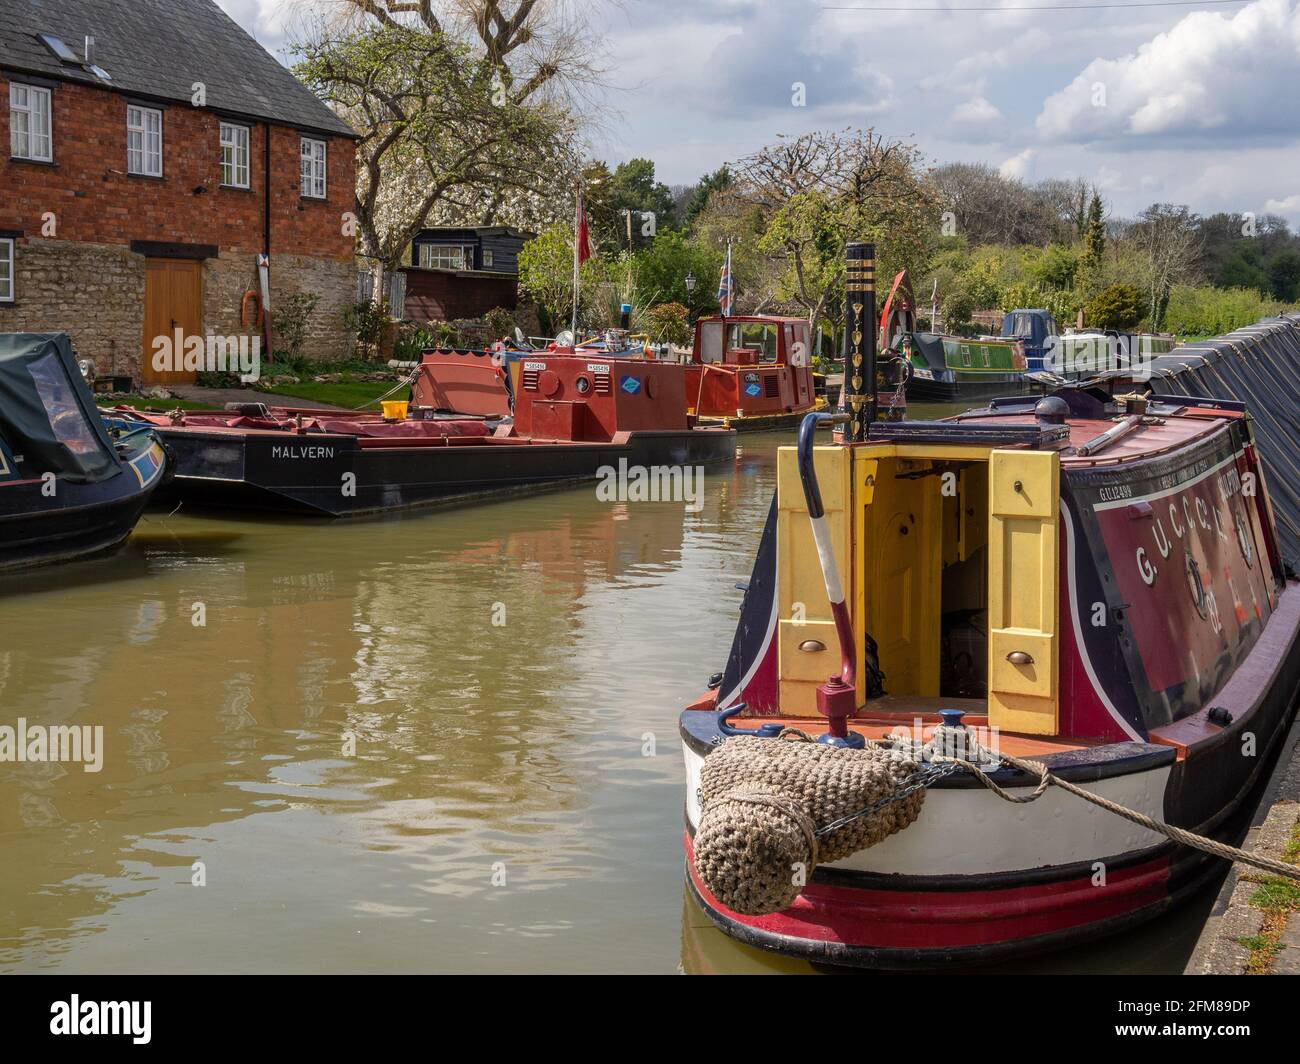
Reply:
x=459, y=273
x=139, y=183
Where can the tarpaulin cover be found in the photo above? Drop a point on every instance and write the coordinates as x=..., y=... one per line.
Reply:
x=1259, y=366
x=48, y=416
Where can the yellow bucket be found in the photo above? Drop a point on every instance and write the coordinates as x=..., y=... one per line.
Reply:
x=395, y=410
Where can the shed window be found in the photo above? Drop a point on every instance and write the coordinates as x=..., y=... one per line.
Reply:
x=487, y=258
x=144, y=141
x=445, y=257
x=6, y=270
x=29, y=123
x=313, y=168
x=234, y=155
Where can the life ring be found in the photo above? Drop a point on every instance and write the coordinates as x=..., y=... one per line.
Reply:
x=243, y=309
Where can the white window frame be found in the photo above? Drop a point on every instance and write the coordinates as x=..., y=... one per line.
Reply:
x=33, y=114
x=449, y=253
x=150, y=162
x=236, y=140
x=487, y=258
x=313, y=167
x=8, y=257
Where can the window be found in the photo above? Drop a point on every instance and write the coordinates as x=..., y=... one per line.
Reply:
x=234, y=155
x=313, y=168
x=29, y=123
x=6, y=270
x=487, y=258
x=144, y=141
x=445, y=257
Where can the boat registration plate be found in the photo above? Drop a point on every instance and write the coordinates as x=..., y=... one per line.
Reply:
x=597, y=367
x=539, y=366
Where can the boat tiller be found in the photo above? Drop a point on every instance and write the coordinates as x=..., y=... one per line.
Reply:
x=837, y=698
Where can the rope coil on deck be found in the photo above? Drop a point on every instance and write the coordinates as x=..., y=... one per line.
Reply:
x=773, y=809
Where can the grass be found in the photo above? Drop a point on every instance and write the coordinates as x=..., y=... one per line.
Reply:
x=347, y=394
x=140, y=402
x=1277, y=898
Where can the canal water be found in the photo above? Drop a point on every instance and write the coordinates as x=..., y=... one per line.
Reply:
x=433, y=743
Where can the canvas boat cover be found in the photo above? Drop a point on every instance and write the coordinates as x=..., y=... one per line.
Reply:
x=1259, y=366
x=48, y=416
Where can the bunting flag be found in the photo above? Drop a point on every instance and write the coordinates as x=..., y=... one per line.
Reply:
x=724, y=286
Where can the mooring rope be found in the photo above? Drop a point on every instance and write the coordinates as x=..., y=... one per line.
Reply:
x=1179, y=835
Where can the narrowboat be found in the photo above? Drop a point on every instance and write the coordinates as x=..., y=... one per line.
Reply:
x=68, y=489
x=948, y=369
x=574, y=418
x=1091, y=582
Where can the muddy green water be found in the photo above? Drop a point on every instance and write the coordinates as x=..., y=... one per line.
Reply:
x=514, y=800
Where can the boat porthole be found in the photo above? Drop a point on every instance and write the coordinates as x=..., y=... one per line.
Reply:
x=1196, y=586
x=1244, y=541
x=583, y=385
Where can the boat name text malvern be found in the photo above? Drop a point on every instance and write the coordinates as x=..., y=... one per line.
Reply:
x=302, y=452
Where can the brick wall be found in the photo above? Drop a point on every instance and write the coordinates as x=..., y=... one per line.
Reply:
x=82, y=277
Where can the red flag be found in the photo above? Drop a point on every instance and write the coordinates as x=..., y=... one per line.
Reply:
x=583, y=235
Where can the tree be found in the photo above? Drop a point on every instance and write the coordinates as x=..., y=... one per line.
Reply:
x=632, y=187
x=992, y=209
x=670, y=324
x=546, y=276
x=1118, y=306
x=662, y=267
x=818, y=191
x=1284, y=275
x=1094, y=234
x=1166, y=238
x=717, y=181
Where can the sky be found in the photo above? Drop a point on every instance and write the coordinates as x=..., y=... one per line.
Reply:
x=1195, y=104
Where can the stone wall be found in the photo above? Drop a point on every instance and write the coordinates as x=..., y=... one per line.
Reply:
x=95, y=293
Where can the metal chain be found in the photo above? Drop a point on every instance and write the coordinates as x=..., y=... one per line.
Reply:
x=919, y=780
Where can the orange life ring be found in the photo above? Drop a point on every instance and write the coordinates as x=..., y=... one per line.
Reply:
x=243, y=309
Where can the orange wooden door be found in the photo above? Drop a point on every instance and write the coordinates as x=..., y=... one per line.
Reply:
x=173, y=299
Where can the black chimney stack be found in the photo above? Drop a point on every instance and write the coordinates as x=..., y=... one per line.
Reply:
x=860, y=339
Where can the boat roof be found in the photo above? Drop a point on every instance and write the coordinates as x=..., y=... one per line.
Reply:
x=47, y=413
x=1167, y=432
x=754, y=318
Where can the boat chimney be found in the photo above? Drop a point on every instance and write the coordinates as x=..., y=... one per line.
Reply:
x=860, y=338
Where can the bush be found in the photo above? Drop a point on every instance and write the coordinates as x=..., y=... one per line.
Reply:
x=367, y=321
x=669, y=323
x=500, y=323
x=290, y=317
x=1118, y=306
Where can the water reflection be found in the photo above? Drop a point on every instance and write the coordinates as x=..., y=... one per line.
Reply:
x=498, y=811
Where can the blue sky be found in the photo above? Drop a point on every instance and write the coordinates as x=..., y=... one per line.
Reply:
x=1197, y=104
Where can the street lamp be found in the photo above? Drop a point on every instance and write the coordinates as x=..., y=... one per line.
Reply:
x=690, y=283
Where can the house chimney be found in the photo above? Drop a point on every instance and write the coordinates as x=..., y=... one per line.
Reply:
x=90, y=50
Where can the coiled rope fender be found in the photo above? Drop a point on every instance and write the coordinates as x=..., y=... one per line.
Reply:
x=762, y=800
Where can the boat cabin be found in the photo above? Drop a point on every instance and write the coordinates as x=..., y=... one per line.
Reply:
x=750, y=365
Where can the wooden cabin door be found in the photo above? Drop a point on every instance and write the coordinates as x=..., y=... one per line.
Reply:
x=1024, y=590
x=173, y=299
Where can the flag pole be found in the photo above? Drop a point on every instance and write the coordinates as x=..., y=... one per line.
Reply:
x=577, y=228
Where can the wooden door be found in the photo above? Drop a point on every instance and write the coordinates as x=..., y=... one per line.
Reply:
x=173, y=299
x=1024, y=591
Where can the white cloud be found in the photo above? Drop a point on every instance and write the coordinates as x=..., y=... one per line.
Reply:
x=977, y=111
x=1019, y=166
x=1289, y=206
x=1211, y=77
